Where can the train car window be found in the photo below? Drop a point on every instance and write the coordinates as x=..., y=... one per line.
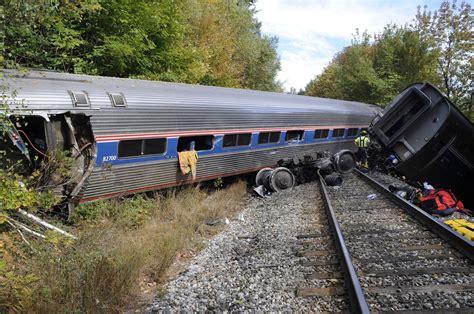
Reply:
x=338, y=133
x=295, y=135
x=156, y=146
x=269, y=137
x=118, y=100
x=80, y=99
x=232, y=140
x=244, y=139
x=263, y=137
x=202, y=142
x=274, y=137
x=353, y=132
x=321, y=133
x=135, y=148
x=130, y=148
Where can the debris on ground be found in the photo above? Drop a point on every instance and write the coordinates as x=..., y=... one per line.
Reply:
x=371, y=197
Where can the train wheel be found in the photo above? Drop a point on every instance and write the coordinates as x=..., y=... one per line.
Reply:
x=282, y=179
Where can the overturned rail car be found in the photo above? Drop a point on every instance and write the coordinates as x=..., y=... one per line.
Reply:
x=428, y=139
x=125, y=134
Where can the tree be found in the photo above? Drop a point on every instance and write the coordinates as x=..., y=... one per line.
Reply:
x=374, y=69
x=450, y=31
x=230, y=49
x=436, y=48
x=192, y=41
x=45, y=34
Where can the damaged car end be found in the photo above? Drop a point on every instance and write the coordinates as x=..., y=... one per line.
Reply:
x=423, y=136
x=56, y=149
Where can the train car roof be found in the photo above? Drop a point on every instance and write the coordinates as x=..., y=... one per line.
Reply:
x=54, y=87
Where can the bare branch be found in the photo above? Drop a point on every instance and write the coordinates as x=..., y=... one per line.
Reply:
x=20, y=225
x=45, y=224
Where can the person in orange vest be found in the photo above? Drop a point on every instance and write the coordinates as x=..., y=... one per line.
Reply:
x=362, y=143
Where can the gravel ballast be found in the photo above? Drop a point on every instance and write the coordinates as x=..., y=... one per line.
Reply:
x=416, y=269
x=253, y=265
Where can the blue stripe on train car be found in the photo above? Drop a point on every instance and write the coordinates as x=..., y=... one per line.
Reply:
x=107, y=151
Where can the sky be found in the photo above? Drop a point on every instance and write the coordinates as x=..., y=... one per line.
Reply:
x=310, y=32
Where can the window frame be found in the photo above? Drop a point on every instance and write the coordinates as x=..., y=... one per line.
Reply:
x=200, y=150
x=236, y=140
x=336, y=130
x=295, y=140
x=75, y=103
x=112, y=100
x=322, y=131
x=155, y=154
x=142, y=148
x=268, y=138
x=352, y=129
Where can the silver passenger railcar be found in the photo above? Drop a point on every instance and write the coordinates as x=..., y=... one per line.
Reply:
x=125, y=134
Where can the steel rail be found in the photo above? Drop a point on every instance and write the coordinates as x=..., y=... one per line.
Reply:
x=465, y=246
x=356, y=295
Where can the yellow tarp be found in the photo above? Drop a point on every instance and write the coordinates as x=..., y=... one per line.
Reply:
x=463, y=227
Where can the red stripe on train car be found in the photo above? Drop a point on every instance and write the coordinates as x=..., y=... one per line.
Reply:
x=109, y=138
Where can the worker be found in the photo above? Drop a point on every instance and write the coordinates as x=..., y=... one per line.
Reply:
x=362, y=143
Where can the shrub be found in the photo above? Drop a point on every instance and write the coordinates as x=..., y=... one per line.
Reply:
x=120, y=243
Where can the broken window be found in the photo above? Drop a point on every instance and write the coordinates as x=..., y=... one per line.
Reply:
x=231, y=140
x=295, y=135
x=135, y=148
x=269, y=137
x=318, y=134
x=32, y=130
x=202, y=142
x=338, y=133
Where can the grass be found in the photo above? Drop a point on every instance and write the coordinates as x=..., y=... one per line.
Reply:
x=122, y=243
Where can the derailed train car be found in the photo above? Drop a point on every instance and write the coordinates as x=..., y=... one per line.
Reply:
x=424, y=137
x=125, y=135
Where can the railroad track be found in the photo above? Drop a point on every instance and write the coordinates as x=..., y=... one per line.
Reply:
x=324, y=250
x=318, y=249
x=392, y=257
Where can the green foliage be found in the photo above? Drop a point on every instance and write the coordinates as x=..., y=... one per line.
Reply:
x=15, y=288
x=19, y=189
x=192, y=41
x=120, y=243
x=450, y=30
x=375, y=69
x=16, y=191
x=15, y=194
x=437, y=48
x=131, y=213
